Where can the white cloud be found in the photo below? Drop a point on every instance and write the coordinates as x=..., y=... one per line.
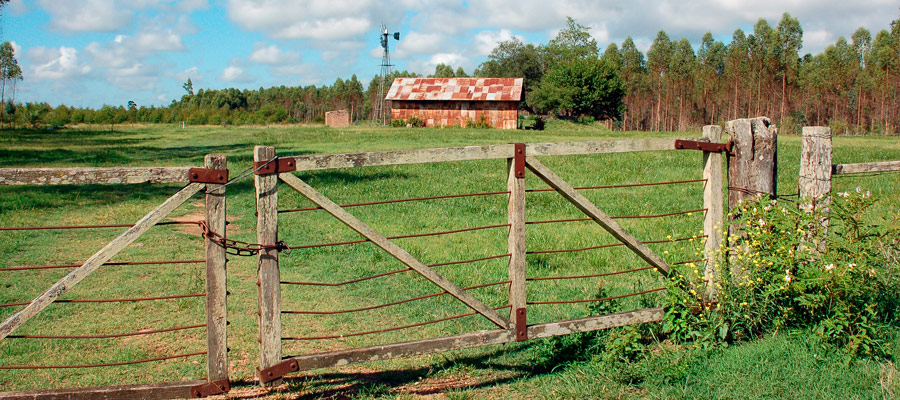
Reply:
x=234, y=73
x=315, y=19
x=18, y=7
x=486, y=41
x=137, y=76
x=272, y=55
x=192, y=73
x=55, y=64
x=87, y=15
x=149, y=41
x=418, y=43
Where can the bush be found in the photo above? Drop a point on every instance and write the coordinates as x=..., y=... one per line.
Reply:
x=539, y=123
x=415, y=122
x=783, y=276
x=398, y=123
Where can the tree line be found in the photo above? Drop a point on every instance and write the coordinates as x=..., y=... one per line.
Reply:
x=850, y=86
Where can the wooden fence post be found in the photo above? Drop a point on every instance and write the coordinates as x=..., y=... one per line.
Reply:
x=268, y=274
x=815, y=177
x=515, y=183
x=815, y=163
x=754, y=167
x=216, y=310
x=713, y=203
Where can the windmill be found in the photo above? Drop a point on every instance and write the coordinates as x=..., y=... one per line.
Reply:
x=386, y=65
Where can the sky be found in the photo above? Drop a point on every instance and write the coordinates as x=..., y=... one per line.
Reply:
x=88, y=53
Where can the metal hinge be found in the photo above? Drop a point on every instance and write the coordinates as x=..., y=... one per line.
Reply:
x=211, y=388
x=521, y=325
x=278, y=370
x=278, y=165
x=705, y=146
x=519, y=160
x=206, y=175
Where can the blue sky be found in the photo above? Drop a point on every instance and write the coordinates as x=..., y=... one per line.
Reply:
x=95, y=52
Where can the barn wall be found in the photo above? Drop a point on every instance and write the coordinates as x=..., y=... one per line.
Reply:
x=501, y=114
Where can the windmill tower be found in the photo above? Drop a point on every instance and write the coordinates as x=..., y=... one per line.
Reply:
x=380, y=109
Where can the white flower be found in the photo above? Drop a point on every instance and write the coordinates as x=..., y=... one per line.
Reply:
x=858, y=189
x=787, y=276
x=761, y=222
x=844, y=194
x=829, y=267
x=865, y=196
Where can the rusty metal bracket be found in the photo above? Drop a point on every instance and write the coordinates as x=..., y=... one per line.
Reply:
x=278, y=370
x=211, y=389
x=519, y=160
x=705, y=146
x=278, y=165
x=521, y=325
x=205, y=175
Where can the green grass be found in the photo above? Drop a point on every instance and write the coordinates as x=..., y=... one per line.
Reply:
x=477, y=373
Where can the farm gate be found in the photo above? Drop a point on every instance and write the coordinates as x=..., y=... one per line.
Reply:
x=271, y=170
x=212, y=178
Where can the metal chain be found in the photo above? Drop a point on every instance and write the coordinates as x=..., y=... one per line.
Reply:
x=238, y=247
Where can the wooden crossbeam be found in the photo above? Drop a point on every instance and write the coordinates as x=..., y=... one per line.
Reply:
x=474, y=339
x=379, y=240
x=598, y=216
x=96, y=260
x=859, y=168
x=93, y=176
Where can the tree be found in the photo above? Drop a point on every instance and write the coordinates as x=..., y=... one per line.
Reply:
x=658, y=62
x=574, y=42
x=442, y=71
x=587, y=87
x=788, y=43
x=514, y=59
x=188, y=87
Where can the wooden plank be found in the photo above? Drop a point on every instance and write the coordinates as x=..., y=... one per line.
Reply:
x=404, y=349
x=96, y=260
x=468, y=153
x=474, y=339
x=598, y=216
x=815, y=163
x=153, y=391
x=268, y=272
x=516, y=240
x=596, y=323
x=600, y=147
x=395, y=157
x=402, y=255
x=93, y=176
x=859, y=168
x=216, y=308
x=713, y=222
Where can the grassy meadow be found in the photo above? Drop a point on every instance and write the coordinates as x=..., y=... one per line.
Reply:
x=555, y=368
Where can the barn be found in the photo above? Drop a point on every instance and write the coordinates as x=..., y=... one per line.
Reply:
x=457, y=101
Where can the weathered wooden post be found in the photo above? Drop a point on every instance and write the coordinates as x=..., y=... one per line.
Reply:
x=516, y=217
x=268, y=274
x=753, y=168
x=216, y=289
x=815, y=177
x=713, y=203
x=815, y=163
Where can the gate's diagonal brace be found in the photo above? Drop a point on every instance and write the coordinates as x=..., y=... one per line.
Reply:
x=211, y=389
x=598, y=216
x=379, y=240
x=96, y=260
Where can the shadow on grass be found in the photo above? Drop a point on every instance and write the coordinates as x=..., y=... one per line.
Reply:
x=546, y=357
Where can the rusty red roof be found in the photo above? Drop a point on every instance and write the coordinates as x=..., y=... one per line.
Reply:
x=462, y=89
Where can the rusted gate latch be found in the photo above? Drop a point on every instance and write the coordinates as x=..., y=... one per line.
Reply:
x=206, y=175
x=519, y=160
x=521, y=325
x=705, y=146
x=211, y=389
x=278, y=370
x=278, y=165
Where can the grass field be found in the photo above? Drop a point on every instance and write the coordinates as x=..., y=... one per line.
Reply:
x=540, y=369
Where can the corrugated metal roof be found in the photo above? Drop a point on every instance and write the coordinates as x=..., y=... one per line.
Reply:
x=462, y=89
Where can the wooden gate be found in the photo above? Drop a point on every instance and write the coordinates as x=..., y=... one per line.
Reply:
x=507, y=328
x=212, y=178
